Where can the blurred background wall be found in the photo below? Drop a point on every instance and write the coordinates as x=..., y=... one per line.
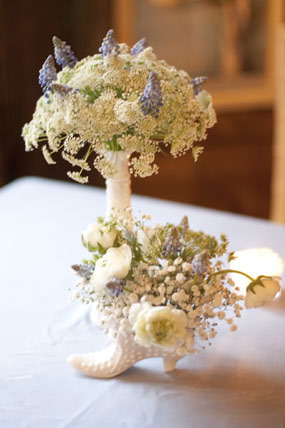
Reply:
x=231, y=41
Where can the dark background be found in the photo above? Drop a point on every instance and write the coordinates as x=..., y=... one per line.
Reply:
x=233, y=174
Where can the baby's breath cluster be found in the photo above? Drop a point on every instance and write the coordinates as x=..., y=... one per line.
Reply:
x=121, y=99
x=165, y=285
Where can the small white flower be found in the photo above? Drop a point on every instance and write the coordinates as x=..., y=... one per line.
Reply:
x=175, y=297
x=159, y=326
x=180, y=278
x=186, y=267
x=97, y=233
x=259, y=294
x=133, y=297
x=218, y=299
x=178, y=261
x=221, y=315
x=115, y=263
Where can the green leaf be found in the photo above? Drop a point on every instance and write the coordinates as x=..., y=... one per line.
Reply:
x=119, y=92
x=231, y=256
x=91, y=95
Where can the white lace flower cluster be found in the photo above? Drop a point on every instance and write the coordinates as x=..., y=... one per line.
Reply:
x=165, y=285
x=102, y=110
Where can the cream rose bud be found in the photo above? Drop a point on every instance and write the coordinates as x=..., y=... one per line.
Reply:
x=115, y=263
x=259, y=294
x=97, y=233
x=158, y=326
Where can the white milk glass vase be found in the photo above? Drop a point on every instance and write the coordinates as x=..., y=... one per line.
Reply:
x=118, y=187
x=123, y=352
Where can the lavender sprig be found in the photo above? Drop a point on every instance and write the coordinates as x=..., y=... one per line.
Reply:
x=139, y=46
x=184, y=225
x=172, y=243
x=63, y=53
x=61, y=90
x=47, y=74
x=151, y=99
x=109, y=45
x=201, y=262
x=84, y=271
x=197, y=83
x=115, y=286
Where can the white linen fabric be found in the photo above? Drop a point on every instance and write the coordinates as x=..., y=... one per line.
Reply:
x=237, y=382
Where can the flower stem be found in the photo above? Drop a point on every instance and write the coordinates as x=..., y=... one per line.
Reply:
x=157, y=137
x=55, y=151
x=220, y=272
x=86, y=157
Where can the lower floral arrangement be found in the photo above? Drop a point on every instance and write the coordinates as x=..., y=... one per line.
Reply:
x=157, y=292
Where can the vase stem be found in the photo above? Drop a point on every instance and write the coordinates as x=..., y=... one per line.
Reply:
x=118, y=188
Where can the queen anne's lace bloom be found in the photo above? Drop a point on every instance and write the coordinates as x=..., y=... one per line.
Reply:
x=117, y=100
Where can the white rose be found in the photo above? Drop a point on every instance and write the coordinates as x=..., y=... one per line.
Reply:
x=262, y=293
x=159, y=326
x=115, y=263
x=97, y=233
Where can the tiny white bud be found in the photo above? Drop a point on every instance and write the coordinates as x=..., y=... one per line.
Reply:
x=186, y=267
x=175, y=297
x=180, y=278
x=133, y=298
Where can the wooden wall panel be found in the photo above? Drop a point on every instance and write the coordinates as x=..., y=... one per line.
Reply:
x=233, y=174
x=26, y=34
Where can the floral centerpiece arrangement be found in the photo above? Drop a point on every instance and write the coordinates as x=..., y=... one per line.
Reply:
x=156, y=291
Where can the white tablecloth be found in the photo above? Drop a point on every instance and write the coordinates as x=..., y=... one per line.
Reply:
x=237, y=382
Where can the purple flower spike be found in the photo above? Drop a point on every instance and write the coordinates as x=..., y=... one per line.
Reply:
x=172, y=244
x=151, y=99
x=109, y=45
x=139, y=46
x=201, y=263
x=197, y=83
x=60, y=89
x=63, y=53
x=84, y=271
x=115, y=286
x=47, y=74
